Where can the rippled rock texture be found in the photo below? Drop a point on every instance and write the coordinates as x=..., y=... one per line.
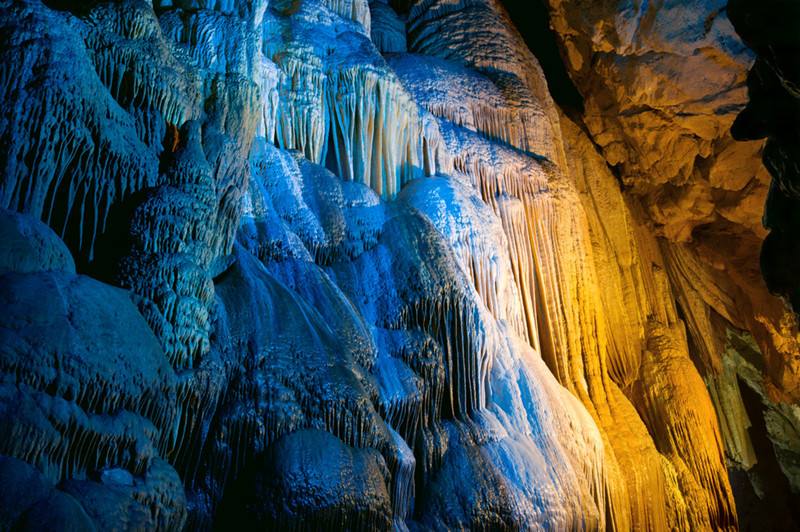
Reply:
x=308, y=264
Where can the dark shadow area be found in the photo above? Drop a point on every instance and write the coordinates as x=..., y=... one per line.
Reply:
x=771, y=28
x=764, y=501
x=532, y=19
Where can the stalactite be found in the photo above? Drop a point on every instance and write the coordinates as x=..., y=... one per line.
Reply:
x=351, y=10
x=401, y=466
x=357, y=10
x=382, y=292
x=641, y=275
x=168, y=268
x=453, y=322
x=478, y=241
x=504, y=178
x=182, y=228
x=697, y=461
x=71, y=154
x=300, y=122
x=472, y=100
x=477, y=34
x=350, y=111
x=378, y=137
x=135, y=63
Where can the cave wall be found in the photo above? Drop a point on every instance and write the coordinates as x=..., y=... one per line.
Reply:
x=329, y=263
x=667, y=100
x=663, y=86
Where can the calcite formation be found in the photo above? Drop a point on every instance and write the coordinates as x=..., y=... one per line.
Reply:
x=662, y=87
x=338, y=264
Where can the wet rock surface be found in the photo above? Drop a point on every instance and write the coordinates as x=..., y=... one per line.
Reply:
x=345, y=264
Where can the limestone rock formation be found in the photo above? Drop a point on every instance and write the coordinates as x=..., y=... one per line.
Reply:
x=88, y=397
x=309, y=264
x=662, y=86
x=772, y=111
x=29, y=246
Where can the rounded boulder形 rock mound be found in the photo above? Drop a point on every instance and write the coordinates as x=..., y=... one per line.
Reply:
x=29, y=502
x=30, y=246
x=84, y=389
x=312, y=480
